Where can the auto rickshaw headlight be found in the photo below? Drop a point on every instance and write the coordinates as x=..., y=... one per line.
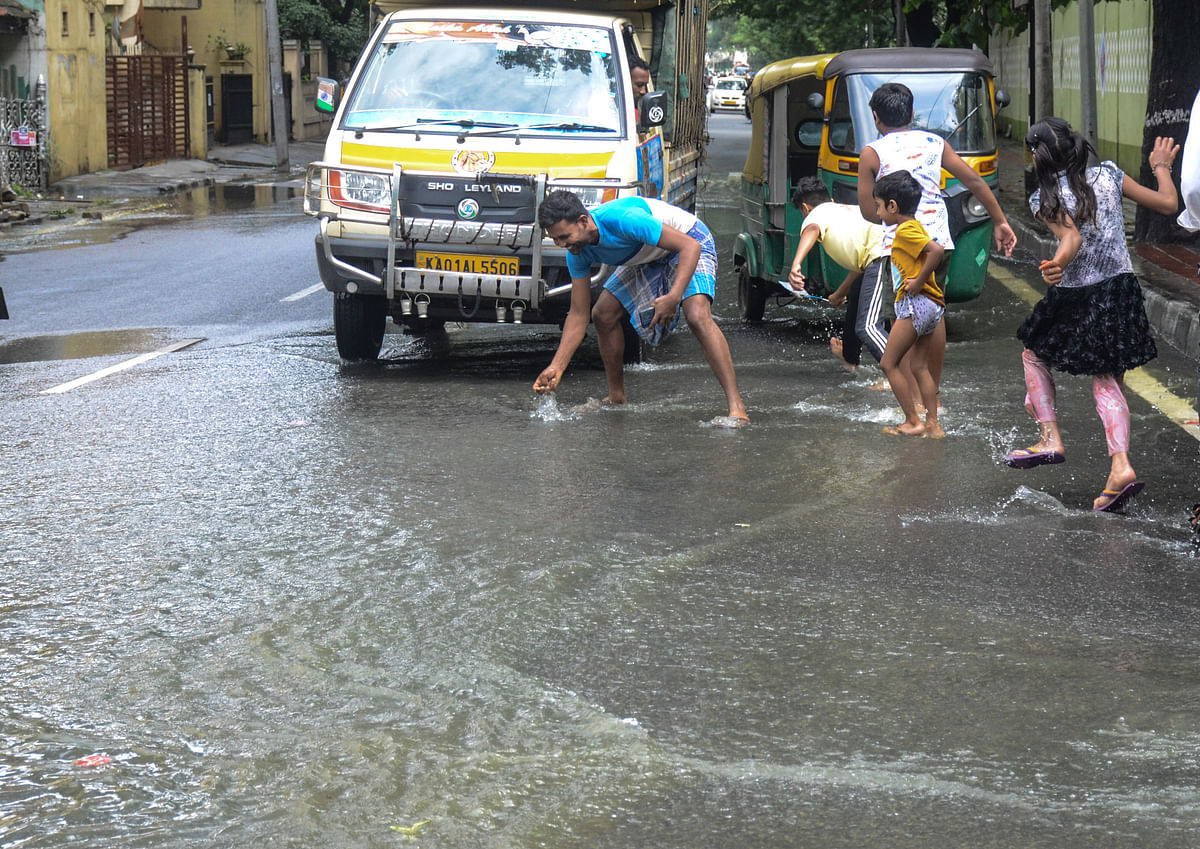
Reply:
x=974, y=209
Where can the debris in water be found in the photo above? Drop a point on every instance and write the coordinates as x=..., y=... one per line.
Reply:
x=410, y=831
x=95, y=759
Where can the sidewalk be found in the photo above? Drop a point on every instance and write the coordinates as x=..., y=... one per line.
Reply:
x=225, y=164
x=1168, y=273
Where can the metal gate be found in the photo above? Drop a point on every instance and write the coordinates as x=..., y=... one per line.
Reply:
x=147, y=110
x=23, y=141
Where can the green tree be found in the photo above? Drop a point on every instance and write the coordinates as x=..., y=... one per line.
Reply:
x=341, y=25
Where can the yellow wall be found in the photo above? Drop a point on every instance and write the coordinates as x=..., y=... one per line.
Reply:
x=239, y=21
x=75, y=77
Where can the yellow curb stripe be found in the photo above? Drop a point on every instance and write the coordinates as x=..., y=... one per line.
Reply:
x=1178, y=410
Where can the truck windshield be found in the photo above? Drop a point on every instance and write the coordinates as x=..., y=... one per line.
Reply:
x=956, y=106
x=456, y=76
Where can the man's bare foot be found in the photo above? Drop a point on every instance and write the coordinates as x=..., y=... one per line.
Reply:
x=835, y=345
x=905, y=429
x=933, y=430
x=881, y=386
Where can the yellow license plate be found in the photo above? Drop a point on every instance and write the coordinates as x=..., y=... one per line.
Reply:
x=469, y=263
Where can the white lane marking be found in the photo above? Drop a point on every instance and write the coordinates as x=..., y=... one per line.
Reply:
x=1149, y=389
x=105, y=372
x=303, y=293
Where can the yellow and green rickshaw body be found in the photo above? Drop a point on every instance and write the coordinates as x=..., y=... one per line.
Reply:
x=810, y=115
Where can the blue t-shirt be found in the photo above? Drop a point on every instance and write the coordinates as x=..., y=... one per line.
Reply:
x=629, y=232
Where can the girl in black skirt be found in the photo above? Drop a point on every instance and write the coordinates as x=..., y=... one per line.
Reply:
x=1091, y=320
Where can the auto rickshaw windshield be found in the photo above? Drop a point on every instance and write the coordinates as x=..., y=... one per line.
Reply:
x=955, y=105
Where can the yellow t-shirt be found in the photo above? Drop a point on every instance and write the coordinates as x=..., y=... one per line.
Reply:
x=850, y=240
x=911, y=238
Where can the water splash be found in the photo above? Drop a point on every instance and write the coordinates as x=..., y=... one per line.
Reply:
x=727, y=422
x=548, y=410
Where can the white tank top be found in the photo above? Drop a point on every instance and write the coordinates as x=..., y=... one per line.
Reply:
x=919, y=153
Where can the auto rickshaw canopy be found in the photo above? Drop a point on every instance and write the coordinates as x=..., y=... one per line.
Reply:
x=873, y=60
x=769, y=78
x=825, y=66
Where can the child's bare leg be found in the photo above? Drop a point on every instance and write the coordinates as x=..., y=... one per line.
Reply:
x=900, y=340
x=922, y=369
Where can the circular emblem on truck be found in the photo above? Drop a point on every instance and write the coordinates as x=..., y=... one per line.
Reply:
x=468, y=208
x=473, y=161
x=657, y=115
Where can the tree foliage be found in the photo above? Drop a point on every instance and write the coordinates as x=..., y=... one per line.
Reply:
x=802, y=27
x=341, y=25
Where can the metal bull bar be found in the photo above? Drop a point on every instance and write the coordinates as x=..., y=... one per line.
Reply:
x=418, y=215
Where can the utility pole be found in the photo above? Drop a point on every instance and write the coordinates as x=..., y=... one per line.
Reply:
x=1089, y=122
x=1043, y=61
x=279, y=129
x=901, y=32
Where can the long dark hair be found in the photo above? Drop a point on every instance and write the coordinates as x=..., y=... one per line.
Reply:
x=1059, y=149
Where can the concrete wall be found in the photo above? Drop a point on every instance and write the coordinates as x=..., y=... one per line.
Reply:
x=1122, y=47
x=75, y=76
x=307, y=122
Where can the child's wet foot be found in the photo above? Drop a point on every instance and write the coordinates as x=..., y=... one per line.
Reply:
x=905, y=429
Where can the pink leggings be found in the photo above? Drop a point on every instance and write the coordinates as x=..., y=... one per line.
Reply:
x=1106, y=389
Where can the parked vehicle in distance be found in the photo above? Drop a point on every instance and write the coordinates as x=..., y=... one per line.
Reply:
x=727, y=93
x=811, y=115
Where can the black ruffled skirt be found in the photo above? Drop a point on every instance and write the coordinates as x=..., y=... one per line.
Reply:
x=1097, y=329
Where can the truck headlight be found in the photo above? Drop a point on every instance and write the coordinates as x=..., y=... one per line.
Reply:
x=591, y=197
x=359, y=190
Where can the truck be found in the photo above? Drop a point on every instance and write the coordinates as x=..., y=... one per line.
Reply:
x=456, y=121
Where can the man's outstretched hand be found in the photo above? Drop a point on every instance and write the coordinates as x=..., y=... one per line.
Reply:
x=547, y=381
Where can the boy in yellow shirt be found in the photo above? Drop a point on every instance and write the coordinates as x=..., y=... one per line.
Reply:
x=920, y=304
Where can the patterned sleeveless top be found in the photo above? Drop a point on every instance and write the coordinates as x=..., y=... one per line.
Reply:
x=919, y=153
x=1103, y=253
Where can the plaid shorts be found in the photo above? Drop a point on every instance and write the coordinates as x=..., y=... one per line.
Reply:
x=636, y=286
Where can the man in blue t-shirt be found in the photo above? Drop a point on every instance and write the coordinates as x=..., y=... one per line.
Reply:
x=665, y=258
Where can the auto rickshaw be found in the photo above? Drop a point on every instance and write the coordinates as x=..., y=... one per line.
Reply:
x=812, y=115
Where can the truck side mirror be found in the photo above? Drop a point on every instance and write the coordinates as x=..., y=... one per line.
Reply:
x=652, y=111
x=816, y=101
x=1002, y=98
x=328, y=94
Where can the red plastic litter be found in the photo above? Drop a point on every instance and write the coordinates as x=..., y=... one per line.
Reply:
x=97, y=759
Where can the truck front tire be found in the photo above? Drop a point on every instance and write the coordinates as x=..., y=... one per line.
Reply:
x=359, y=322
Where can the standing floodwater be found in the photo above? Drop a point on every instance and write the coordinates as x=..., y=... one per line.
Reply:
x=299, y=603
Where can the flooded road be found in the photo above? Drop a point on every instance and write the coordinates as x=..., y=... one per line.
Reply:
x=301, y=604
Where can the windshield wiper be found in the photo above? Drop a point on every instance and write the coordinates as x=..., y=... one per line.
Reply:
x=570, y=126
x=463, y=123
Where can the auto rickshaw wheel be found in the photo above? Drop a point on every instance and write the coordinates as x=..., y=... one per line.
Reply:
x=752, y=295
